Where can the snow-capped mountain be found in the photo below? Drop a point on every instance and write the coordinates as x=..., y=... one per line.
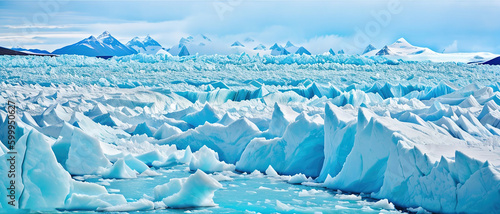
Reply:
x=147, y=45
x=291, y=47
x=260, y=47
x=104, y=45
x=384, y=51
x=278, y=50
x=369, y=49
x=199, y=44
x=237, y=44
x=114, y=45
x=402, y=49
x=302, y=50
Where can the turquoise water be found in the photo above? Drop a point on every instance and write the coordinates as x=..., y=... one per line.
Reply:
x=248, y=193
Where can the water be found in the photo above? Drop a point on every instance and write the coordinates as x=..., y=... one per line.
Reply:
x=248, y=193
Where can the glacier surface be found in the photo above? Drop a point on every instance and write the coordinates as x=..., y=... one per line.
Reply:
x=416, y=135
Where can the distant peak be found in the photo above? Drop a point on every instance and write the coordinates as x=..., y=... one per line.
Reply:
x=91, y=37
x=289, y=44
x=401, y=40
x=105, y=34
x=369, y=48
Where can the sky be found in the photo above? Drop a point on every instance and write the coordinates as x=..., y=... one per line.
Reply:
x=318, y=25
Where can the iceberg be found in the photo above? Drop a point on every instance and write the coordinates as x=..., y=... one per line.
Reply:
x=195, y=191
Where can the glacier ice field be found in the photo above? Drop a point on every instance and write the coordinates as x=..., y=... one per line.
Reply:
x=251, y=134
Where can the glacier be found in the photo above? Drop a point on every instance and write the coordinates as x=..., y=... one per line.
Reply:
x=153, y=132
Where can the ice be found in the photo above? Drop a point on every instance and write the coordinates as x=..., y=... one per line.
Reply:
x=282, y=117
x=94, y=202
x=418, y=134
x=207, y=160
x=195, y=191
x=298, y=151
x=166, y=130
x=207, y=114
x=283, y=207
x=44, y=182
x=298, y=179
x=85, y=155
x=140, y=205
x=135, y=164
x=384, y=204
x=237, y=135
x=119, y=170
x=150, y=157
x=143, y=128
x=271, y=172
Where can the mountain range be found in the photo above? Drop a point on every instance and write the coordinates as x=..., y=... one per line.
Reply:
x=105, y=45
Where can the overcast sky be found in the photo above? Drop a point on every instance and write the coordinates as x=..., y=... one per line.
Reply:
x=451, y=25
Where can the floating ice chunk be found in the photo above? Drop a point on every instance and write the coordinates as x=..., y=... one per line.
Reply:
x=207, y=160
x=119, y=170
x=168, y=189
x=384, y=204
x=351, y=197
x=221, y=177
x=418, y=210
x=149, y=172
x=188, y=155
x=271, y=172
x=195, y=191
x=298, y=179
x=256, y=173
x=140, y=205
x=135, y=164
x=166, y=130
x=93, y=202
x=169, y=161
x=283, y=207
x=149, y=157
x=313, y=192
x=90, y=196
x=207, y=114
